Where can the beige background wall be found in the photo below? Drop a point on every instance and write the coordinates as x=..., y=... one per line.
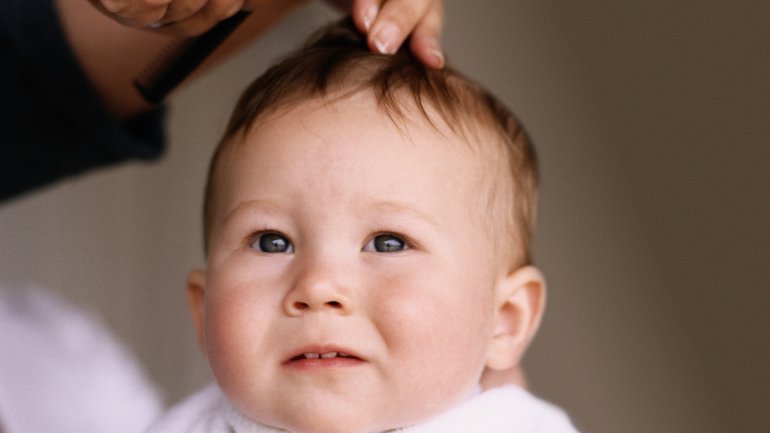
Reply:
x=652, y=120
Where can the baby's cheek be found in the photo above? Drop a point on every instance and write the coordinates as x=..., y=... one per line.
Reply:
x=416, y=324
x=223, y=340
x=438, y=362
x=229, y=330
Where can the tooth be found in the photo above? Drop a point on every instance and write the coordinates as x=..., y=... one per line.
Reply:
x=329, y=355
x=311, y=355
x=342, y=354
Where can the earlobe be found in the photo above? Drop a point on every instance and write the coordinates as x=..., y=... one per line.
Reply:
x=196, y=292
x=519, y=308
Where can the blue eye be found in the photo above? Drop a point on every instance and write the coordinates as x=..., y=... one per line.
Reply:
x=273, y=243
x=386, y=244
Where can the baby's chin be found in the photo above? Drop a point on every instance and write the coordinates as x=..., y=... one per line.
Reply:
x=321, y=412
x=329, y=425
x=338, y=423
x=348, y=423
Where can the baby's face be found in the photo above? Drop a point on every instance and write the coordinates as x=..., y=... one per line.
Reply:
x=351, y=282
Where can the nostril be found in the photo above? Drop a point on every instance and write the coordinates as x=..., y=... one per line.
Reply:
x=301, y=306
x=334, y=304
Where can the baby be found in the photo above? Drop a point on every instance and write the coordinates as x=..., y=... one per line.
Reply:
x=367, y=228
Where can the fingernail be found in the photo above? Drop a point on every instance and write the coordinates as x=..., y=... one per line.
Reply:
x=438, y=55
x=370, y=15
x=385, y=39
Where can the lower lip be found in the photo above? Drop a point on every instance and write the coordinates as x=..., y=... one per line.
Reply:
x=324, y=363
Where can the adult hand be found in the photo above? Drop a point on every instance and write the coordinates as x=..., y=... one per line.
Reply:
x=388, y=23
x=178, y=17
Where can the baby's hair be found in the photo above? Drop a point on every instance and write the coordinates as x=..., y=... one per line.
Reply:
x=337, y=61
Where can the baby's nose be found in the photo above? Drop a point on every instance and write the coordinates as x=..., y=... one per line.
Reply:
x=319, y=287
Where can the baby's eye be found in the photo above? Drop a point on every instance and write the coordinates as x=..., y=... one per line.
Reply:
x=386, y=244
x=272, y=243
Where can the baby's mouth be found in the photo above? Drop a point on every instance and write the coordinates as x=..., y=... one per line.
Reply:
x=314, y=356
x=327, y=355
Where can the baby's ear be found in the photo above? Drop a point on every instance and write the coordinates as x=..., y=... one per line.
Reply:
x=519, y=307
x=196, y=293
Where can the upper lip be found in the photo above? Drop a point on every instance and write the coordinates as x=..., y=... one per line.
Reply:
x=320, y=350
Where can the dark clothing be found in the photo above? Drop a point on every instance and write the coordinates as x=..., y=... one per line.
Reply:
x=53, y=122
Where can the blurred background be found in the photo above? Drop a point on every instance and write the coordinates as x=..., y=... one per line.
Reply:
x=652, y=122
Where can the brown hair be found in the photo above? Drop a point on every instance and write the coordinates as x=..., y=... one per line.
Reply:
x=337, y=57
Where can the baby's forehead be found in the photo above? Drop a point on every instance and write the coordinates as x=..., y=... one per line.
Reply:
x=330, y=137
x=359, y=115
x=326, y=130
x=402, y=112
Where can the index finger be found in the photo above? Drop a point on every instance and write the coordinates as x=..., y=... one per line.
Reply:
x=389, y=23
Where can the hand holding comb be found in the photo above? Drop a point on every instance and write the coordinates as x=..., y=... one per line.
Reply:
x=169, y=70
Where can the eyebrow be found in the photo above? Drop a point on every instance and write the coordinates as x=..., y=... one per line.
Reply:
x=268, y=206
x=402, y=207
x=381, y=206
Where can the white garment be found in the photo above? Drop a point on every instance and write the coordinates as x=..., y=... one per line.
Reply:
x=62, y=371
x=507, y=409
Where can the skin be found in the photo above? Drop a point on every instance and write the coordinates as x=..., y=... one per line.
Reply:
x=330, y=179
x=387, y=23
x=114, y=44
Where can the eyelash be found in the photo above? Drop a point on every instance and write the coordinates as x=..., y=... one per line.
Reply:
x=255, y=237
x=408, y=244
